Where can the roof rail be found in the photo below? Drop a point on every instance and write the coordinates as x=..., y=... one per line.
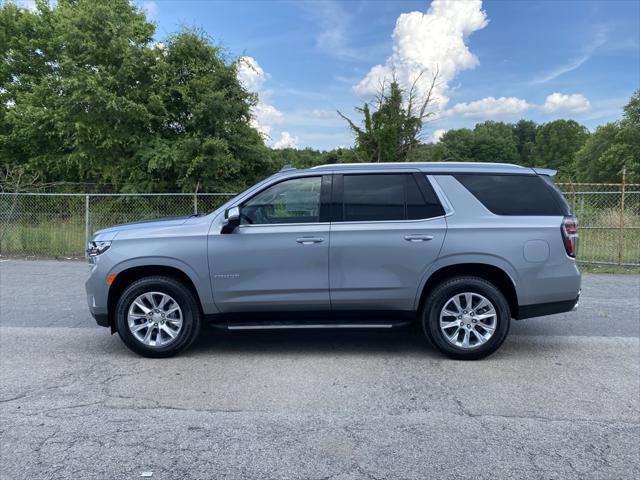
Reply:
x=287, y=167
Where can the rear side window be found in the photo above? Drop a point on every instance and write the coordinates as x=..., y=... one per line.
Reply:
x=380, y=197
x=515, y=194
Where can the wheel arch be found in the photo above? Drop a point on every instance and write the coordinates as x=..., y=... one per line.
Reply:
x=129, y=275
x=492, y=273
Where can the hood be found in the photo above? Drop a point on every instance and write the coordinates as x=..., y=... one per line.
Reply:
x=109, y=233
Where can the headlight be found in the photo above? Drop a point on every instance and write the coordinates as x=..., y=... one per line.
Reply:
x=96, y=248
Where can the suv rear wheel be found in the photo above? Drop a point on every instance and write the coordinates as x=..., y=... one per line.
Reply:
x=157, y=316
x=466, y=318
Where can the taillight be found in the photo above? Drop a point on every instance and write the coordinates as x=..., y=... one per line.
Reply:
x=569, y=230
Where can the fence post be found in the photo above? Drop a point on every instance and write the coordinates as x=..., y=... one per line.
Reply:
x=621, y=239
x=195, y=199
x=86, y=218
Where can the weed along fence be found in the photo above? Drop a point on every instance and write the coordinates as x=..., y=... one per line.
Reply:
x=58, y=225
x=609, y=221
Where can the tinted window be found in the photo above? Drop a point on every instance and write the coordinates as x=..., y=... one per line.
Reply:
x=292, y=201
x=513, y=194
x=378, y=197
x=421, y=203
x=373, y=197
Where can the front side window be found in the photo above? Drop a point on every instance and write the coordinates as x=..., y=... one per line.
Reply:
x=384, y=197
x=291, y=201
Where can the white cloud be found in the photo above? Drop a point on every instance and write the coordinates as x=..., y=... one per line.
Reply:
x=426, y=42
x=253, y=77
x=560, y=103
x=150, y=8
x=600, y=40
x=491, y=108
x=437, y=135
x=319, y=113
x=29, y=5
x=286, y=141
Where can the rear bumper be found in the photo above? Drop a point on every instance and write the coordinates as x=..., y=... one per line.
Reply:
x=542, y=309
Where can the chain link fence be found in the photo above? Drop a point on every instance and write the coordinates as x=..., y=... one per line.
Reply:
x=57, y=225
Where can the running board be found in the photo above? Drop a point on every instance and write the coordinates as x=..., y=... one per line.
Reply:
x=293, y=326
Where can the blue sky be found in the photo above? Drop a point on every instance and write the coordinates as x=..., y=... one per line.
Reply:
x=499, y=60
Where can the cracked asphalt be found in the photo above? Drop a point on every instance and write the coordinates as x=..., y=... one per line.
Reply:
x=560, y=400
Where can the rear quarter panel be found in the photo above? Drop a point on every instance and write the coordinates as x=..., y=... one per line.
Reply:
x=528, y=248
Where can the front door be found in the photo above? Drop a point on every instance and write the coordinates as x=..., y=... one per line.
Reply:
x=278, y=258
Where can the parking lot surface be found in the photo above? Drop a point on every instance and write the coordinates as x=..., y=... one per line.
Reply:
x=559, y=400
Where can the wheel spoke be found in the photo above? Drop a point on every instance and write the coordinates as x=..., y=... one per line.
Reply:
x=455, y=323
x=139, y=326
x=163, y=301
x=465, y=340
x=142, y=306
x=456, y=302
x=454, y=338
x=169, y=332
x=481, y=338
x=468, y=301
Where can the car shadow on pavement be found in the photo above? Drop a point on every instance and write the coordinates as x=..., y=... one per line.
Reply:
x=402, y=340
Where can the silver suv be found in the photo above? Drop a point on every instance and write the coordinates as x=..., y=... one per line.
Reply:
x=459, y=247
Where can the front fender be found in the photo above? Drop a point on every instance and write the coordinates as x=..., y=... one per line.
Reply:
x=200, y=279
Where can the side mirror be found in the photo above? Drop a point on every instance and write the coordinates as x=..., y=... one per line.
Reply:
x=233, y=219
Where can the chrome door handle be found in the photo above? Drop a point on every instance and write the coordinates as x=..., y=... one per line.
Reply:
x=309, y=240
x=418, y=238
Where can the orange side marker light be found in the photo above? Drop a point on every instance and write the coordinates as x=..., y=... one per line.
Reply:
x=111, y=278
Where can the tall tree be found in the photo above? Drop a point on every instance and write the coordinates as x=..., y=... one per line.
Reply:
x=557, y=143
x=87, y=96
x=612, y=147
x=525, y=133
x=392, y=130
x=494, y=142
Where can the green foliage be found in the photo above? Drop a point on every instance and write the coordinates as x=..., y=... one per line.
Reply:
x=391, y=132
x=557, y=143
x=612, y=147
x=525, y=132
x=87, y=96
x=487, y=142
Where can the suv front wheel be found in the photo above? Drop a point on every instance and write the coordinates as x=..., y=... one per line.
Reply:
x=466, y=318
x=157, y=316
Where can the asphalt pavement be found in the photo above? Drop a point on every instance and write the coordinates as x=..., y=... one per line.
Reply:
x=559, y=400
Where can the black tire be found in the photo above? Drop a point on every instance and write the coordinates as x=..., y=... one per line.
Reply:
x=191, y=316
x=441, y=294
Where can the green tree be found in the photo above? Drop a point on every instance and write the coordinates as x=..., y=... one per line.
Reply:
x=525, y=133
x=392, y=130
x=557, y=143
x=87, y=96
x=612, y=147
x=456, y=145
x=494, y=142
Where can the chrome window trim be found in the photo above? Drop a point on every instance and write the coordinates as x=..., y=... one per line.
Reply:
x=362, y=222
x=248, y=225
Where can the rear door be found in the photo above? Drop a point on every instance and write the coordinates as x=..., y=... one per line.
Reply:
x=387, y=228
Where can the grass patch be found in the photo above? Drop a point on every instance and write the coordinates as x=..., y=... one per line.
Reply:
x=62, y=239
